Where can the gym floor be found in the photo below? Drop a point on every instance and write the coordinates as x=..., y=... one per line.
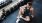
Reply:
x=12, y=17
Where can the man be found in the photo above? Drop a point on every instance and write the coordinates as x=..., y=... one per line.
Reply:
x=23, y=16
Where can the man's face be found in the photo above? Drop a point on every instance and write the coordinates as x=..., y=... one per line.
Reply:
x=28, y=5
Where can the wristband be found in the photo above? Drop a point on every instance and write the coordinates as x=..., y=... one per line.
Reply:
x=32, y=16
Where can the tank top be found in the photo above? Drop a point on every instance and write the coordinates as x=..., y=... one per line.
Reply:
x=26, y=12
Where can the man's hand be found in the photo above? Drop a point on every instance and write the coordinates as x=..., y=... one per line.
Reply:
x=21, y=16
x=32, y=16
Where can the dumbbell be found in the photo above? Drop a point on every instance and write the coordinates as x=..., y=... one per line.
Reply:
x=11, y=9
x=4, y=14
x=14, y=7
x=6, y=3
x=10, y=1
x=0, y=5
x=7, y=12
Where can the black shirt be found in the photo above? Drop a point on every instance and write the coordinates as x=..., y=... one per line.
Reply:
x=26, y=12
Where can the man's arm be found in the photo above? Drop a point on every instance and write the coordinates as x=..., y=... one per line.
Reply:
x=18, y=18
x=32, y=10
x=19, y=13
x=26, y=19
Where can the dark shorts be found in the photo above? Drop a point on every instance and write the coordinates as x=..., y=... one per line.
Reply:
x=23, y=21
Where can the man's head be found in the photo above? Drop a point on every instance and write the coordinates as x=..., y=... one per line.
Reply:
x=29, y=4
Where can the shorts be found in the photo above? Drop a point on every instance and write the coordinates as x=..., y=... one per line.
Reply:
x=23, y=21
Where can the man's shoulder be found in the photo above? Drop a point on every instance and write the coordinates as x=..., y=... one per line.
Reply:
x=23, y=6
x=32, y=8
